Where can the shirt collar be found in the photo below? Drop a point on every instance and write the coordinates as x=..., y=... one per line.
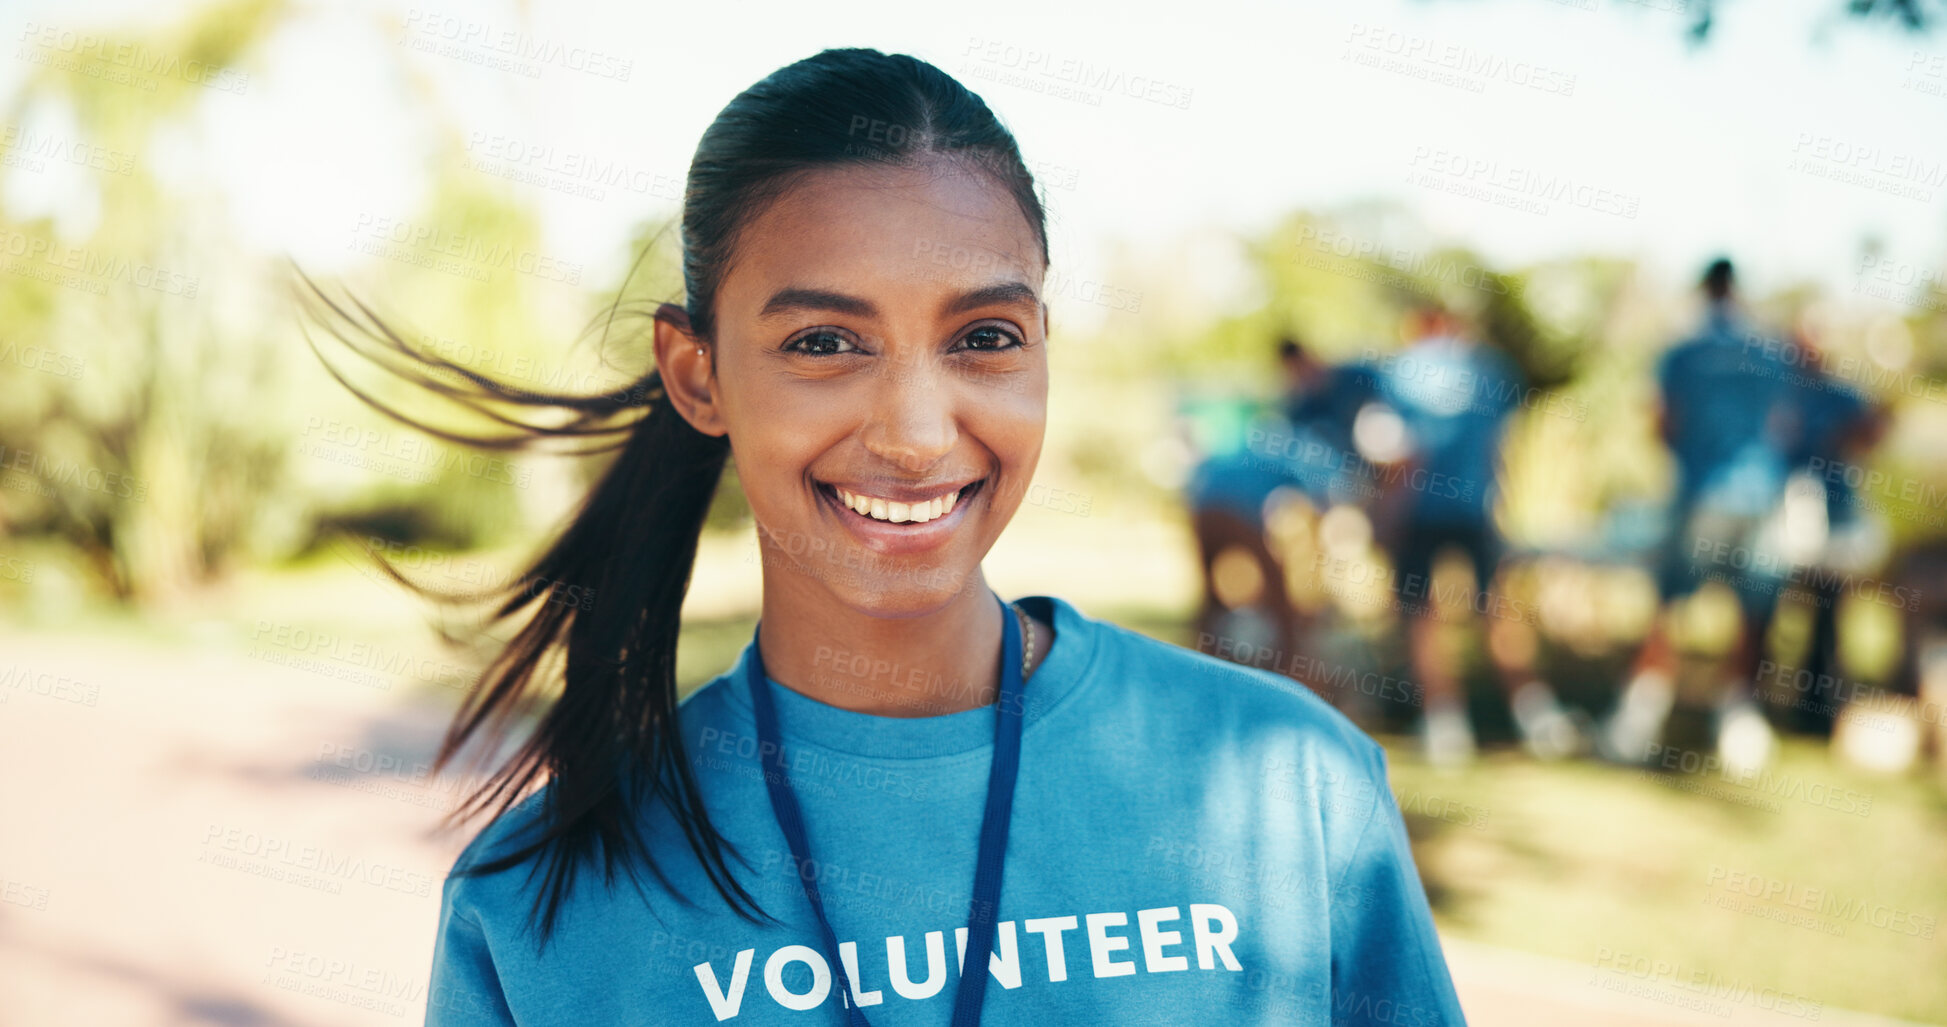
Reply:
x=802, y=719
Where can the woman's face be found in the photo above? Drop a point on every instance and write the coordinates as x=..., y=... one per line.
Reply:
x=881, y=344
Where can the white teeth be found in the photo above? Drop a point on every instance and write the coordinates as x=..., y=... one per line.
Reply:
x=896, y=512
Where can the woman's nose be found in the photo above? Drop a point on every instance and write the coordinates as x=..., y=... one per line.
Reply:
x=912, y=422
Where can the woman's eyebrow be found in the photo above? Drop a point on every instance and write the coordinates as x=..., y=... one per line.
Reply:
x=790, y=300
x=795, y=299
x=1003, y=293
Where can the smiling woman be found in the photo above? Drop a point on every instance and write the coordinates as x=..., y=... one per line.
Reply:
x=845, y=381
x=1110, y=829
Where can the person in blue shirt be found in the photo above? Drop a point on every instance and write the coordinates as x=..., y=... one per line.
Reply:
x=1332, y=466
x=1192, y=842
x=1726, y=412
x=1834, y=425
x=1456, y=397
x=1245, y=607
x=1242, y=467
x=1300, y=447
x=908, y=801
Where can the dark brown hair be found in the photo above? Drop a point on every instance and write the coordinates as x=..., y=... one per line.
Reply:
x=613, y=734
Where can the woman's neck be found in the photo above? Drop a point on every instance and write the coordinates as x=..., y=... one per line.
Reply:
x=945, y=661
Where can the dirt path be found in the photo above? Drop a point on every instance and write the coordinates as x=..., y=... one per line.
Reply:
x=217, y=839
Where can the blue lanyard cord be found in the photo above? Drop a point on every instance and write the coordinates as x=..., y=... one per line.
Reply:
x=1001, y=773
x=982, y=917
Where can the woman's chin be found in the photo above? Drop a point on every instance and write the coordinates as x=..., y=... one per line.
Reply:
x=915, y=591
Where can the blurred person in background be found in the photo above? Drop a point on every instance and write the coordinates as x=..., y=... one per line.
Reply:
x=1726, y=411
x=1246, y=613
x=1919, y=572
x=1301, y=458
x=1455, y=396
x=1835, y=427
x=1323, y=410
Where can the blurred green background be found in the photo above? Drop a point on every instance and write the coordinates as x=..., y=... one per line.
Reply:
x=184, y=488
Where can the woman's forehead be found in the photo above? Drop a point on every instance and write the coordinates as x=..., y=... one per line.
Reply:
x=916, y=230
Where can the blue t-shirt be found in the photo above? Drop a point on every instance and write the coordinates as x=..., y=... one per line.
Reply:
x=1726, y=395
x=1239, y=481
x=1333, y=469
x=1455, y=397
x=1828, y=409
x=1192, y=842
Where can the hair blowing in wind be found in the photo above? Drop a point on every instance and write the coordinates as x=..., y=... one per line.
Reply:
x=612, y=737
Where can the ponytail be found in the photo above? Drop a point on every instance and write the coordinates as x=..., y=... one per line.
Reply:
x=610, y=593
x=634, y=546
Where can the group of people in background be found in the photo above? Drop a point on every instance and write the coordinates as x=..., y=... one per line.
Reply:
x=1403, y=451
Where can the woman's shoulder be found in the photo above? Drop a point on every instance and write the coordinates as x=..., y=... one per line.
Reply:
x=493, y=876
x=473, y=891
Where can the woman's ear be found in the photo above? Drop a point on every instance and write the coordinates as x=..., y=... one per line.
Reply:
x=688, y=373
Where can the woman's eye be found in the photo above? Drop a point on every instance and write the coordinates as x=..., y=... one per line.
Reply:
x=992, y=337
x=822, y=342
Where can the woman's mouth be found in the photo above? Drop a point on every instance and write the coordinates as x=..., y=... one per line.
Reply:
x=891, y=525
x=896, y=512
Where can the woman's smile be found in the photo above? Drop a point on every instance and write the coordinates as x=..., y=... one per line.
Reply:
x=893, y=519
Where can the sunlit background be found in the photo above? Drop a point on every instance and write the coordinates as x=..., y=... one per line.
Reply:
x=217, y=713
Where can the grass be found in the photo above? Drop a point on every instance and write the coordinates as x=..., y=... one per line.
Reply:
x=1833, y=877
